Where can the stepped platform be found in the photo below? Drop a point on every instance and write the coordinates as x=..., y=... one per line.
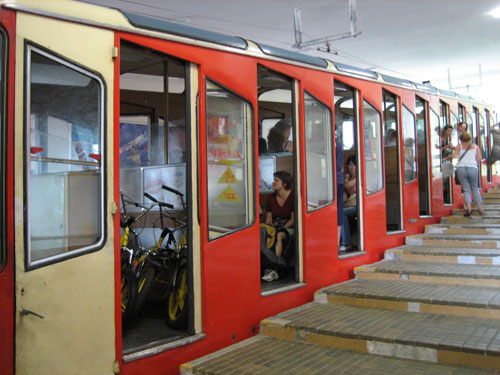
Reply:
x=428, y=272
x=432, y=306
x=270, y=356
x=460, y=255
x=419, y=336
x=459, y=300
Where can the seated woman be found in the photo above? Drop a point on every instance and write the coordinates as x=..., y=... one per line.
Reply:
x=349, y=200
x=277, y=139
x=280, y=207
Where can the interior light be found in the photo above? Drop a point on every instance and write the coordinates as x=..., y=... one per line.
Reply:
x=496, y=12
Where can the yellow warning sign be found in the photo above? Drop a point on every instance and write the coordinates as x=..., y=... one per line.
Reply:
x=228, y=177
x=228, y=195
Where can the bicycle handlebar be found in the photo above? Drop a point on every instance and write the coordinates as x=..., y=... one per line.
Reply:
x=172, y=190
x=162, y=204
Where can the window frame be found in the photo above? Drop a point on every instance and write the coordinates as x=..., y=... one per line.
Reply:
x=30, y=47
x=332, y=149
x=251, y=188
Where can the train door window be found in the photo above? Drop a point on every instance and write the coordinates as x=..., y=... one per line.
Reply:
x=153, y=160
x=409, y=146
x=319, y=157
x=423, y=166
x=373, y=149
x=461, y=112
x=436, y=143
x=64, y=138
x=454, y=123
x=229, y=126
x=277, y=148
x=391, y=157
x=474, y=128
x=346, y=115
x=482, y=137
x=446, y=148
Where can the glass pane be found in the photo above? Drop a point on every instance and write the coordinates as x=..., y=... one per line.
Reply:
x=229, y=120
x=436, y=144
x=409, y=145
x=454, y=123
x=64, y=139
x=373, y=150
x=319, y=142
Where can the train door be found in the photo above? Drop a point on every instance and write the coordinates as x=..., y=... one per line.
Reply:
x=392, y=160
x=154, y=152
x=65, y=264
x=446, y=148
x=346, y=124
x=6, y=209
x=277, y=154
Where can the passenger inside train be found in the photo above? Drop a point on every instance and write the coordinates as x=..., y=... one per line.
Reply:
x=350, y=204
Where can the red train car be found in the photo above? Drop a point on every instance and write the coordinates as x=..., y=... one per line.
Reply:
x=100, y=107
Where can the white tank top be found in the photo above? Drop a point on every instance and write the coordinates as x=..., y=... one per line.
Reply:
x=469, y=159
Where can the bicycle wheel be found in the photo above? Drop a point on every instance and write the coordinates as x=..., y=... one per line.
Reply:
x=144, y=285
x=129, y=294
x=177, y=300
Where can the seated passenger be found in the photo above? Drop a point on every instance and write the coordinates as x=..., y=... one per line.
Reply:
x=280, y=207
x=350, y=209
x=277, y=139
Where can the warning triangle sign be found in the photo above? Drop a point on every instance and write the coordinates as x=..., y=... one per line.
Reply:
x=228, y=177
x=228, y=195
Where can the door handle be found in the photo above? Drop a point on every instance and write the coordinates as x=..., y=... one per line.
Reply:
x=24, y=312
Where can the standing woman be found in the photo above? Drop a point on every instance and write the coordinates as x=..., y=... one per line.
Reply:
x=467, y=171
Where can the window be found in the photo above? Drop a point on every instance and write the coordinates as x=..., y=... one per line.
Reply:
x=64, y=135
x=373, y=148
x=318, y=129
x=409, y=145
x=435, y=143
x=229, y=129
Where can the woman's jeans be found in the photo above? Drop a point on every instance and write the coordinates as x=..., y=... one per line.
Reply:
x=468, y=177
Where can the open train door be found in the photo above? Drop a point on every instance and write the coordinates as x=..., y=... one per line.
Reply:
x=65, y=267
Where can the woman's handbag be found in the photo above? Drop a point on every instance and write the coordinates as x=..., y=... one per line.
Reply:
x=457, y=181
x=447, y=169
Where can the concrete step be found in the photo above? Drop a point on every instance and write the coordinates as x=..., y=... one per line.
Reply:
x=454, y=240
x=471, y=227
x=489, y=209
x=266, y=355
x=427, y=272
x=460, y=219
x=439, y=254
x=427, y=337
x=458, y=300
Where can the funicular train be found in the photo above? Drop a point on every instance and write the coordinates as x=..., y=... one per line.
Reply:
x=101, y=106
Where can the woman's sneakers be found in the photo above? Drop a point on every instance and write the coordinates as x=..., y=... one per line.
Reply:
x=270, y=275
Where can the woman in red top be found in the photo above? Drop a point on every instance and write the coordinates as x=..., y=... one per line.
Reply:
x=280, y=206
